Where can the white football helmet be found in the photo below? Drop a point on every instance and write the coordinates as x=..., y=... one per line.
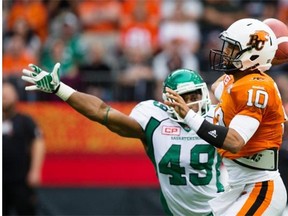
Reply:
x=254, y=43
x=185, y=81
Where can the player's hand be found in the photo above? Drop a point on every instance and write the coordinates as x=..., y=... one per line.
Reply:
x=177, y=102
x=44, y=81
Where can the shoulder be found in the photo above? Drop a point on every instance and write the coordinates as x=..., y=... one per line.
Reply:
x=149, y=109
x=151, y=105
x=258, y=81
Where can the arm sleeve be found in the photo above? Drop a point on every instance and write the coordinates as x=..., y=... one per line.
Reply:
x=247, y=131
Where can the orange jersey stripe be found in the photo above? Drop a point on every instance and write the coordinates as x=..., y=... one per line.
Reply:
x=258, y=200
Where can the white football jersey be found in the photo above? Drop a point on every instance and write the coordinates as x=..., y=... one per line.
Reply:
x=187, y=166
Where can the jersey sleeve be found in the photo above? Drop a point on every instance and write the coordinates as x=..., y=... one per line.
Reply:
x=140, y=114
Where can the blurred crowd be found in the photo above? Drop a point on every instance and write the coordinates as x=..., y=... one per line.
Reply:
x=121, y=50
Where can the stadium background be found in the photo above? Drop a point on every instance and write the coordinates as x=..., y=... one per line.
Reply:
x=89, y=170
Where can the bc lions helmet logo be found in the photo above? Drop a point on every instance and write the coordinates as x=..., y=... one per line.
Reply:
x=258, y=39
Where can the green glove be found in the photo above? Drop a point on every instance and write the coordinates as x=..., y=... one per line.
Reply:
x=42, y=80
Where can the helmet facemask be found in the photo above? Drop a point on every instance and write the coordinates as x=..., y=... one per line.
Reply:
x=220, y=61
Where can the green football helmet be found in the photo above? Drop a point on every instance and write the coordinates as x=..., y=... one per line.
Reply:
x=185, y=81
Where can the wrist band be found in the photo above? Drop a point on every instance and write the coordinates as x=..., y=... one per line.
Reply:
x=213, y=134
x=193, y=120
x=64, y=91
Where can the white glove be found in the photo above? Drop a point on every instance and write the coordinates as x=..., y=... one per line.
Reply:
x=46, y=82
x=42, y=80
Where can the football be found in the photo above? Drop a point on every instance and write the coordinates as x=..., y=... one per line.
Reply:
x=281, y=31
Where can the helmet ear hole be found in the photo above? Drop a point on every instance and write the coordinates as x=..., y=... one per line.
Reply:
x=254, y=57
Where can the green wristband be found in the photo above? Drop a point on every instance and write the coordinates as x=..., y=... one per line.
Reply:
x=105, y=121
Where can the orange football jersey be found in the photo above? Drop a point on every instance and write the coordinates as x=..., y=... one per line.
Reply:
x=255, y=95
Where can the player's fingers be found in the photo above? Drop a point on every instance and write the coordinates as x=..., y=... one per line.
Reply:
x=35, y=68
x=28, y=79
x=172, y=96
x=56, y=68
x=55, y=73
x=31, y=88
x=28, y=72
x=170, y=91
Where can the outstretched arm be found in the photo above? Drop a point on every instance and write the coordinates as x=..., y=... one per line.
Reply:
x=89, y=106
x=96, y=110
